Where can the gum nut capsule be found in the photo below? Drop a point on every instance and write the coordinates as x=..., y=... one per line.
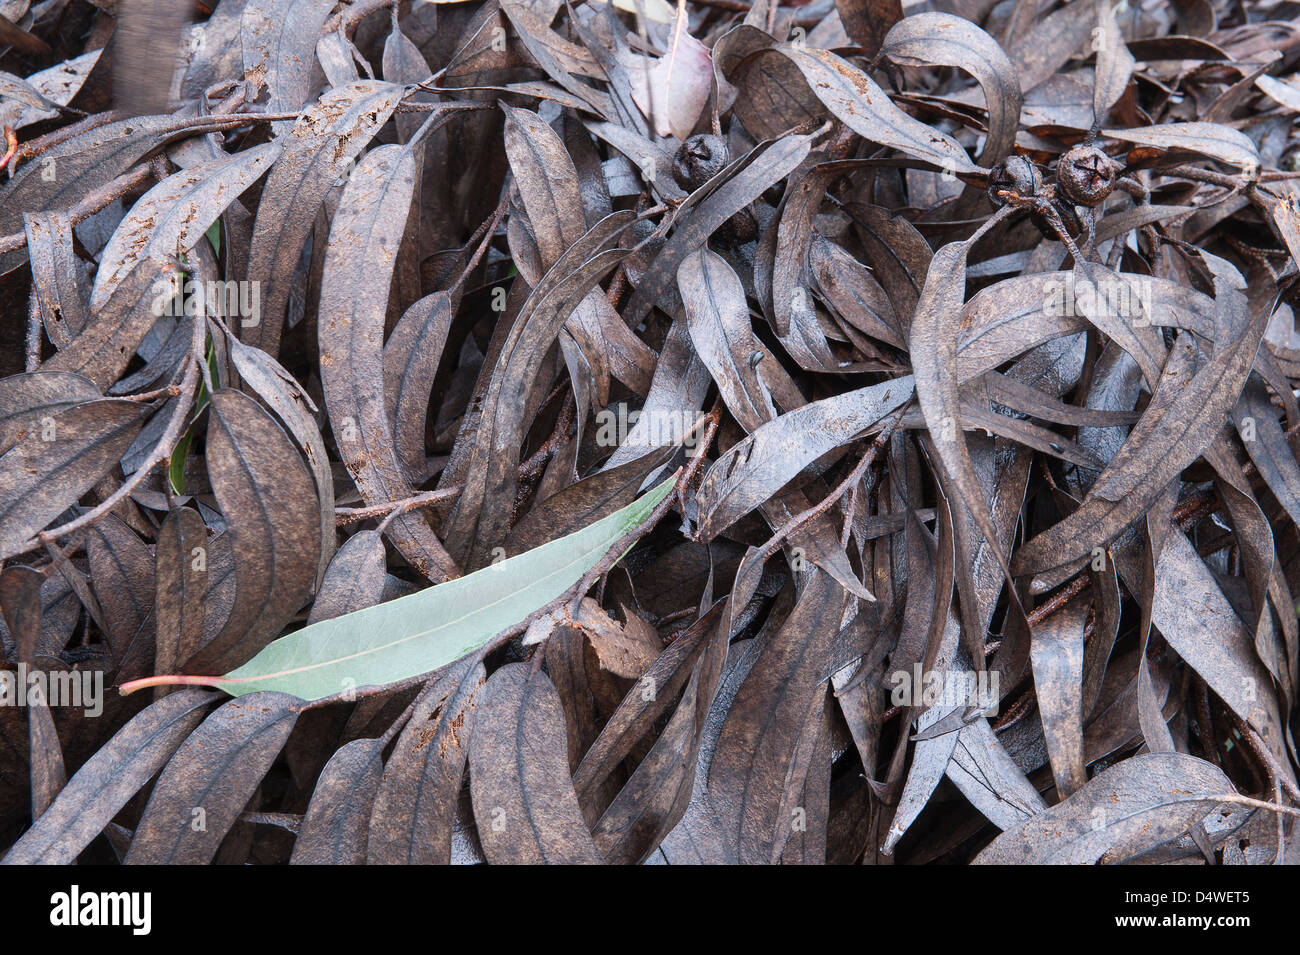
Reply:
x=1016, y=174
x=699, y=159
x=1086, y=175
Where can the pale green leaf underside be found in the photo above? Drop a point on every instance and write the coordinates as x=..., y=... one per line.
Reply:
x=427, y=630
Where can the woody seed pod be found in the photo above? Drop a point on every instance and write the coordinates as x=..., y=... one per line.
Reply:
x=699, y=159
x=1016, y=174
x=1086, y=175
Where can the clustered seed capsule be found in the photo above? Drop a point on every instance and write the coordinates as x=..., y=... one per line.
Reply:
x=1086, y=175
x=699, y=159
x=1016, y=174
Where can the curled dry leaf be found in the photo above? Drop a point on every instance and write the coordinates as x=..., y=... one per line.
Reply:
x=334, y=827
x=1121, y=813
x=207, y=776
x=62, y=457
x=524, y=803
x=108, y=779
x=672, y=89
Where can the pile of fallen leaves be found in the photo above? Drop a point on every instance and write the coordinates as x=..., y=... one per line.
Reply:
x=633, y=432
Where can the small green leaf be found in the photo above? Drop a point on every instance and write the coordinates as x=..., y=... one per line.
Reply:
x=424, y=631
x=176, y=464
x=204, y=396
x=214, y=236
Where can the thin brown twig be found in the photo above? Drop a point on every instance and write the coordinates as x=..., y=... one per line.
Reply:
x=483, y=236
x=90, y=203
x=348, y=18
x=11, y=146
x=405, y=716
x=1058, y=600
x=1235, y=183
x=169, y=391
x=1276, y=773
x=711, y=421
x=61, y=135
x=531, y=470
x=775, y=541
x=1016, y=711
x=1256, y=803
x=390, y=509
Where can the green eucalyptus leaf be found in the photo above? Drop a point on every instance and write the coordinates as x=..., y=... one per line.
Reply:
x=426, y=630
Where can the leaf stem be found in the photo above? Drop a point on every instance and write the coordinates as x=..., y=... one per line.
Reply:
x=397, y=508
x=1258, y=804
x=347, y=19
x=169, y=679
x=768, y=549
